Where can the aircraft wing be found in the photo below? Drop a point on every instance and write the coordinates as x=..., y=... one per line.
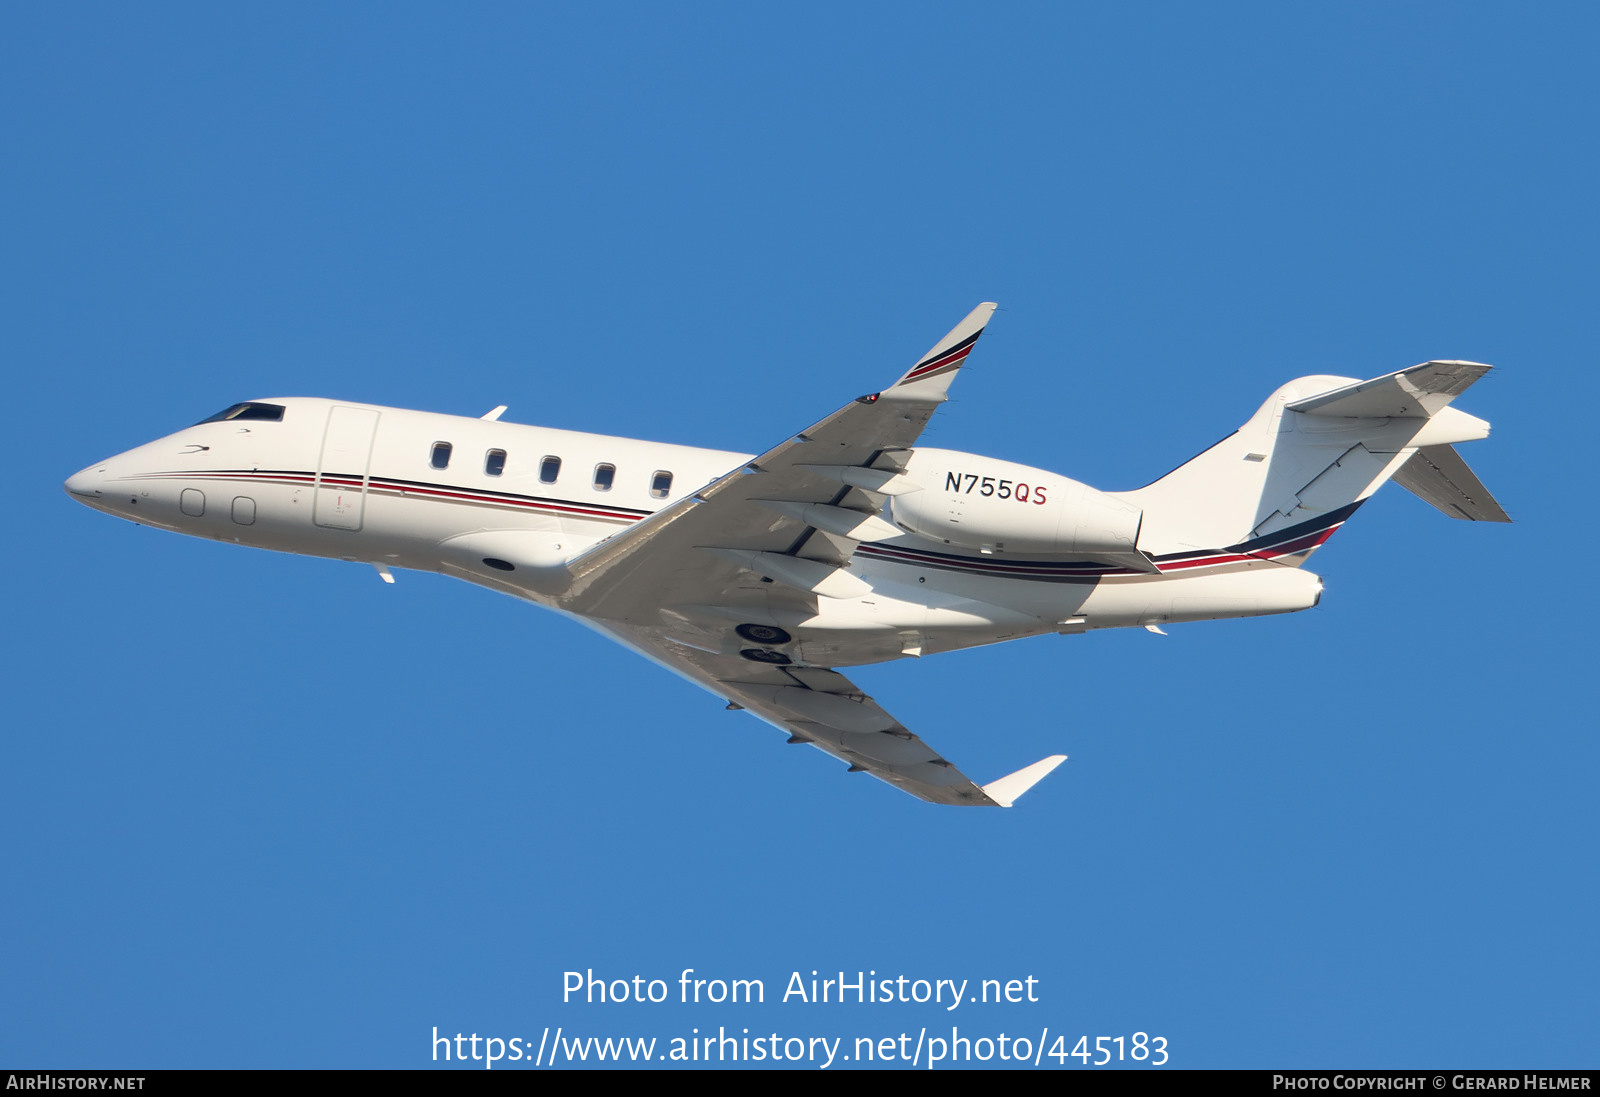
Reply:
x=793, y=516
x=824, y=709
x=774, y=536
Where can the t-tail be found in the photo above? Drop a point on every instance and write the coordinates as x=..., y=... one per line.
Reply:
x=1279, y=486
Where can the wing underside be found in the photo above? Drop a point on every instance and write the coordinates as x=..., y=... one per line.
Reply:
x=822, y=708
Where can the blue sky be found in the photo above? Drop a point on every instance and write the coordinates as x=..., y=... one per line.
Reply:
x=266, y=811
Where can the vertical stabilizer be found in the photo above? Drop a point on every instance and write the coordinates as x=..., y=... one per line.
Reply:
x=1282, y=483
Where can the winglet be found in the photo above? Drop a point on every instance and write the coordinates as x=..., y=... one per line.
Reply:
x=930, y=378
x=1006, y=790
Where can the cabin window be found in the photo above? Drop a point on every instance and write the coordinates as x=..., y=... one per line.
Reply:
x=441, y=455
x=272, y=413
x=549, y=469
x=494, y=462
x=660, y=485
x=603, y=476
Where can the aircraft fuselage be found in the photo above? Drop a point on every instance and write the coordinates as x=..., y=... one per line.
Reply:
x=418, y=490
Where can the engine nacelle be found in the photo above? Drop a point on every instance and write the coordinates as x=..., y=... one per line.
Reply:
x=995, y=506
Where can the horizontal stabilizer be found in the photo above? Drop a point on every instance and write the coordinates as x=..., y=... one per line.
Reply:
x=1416, y=393
x=1006, y=790
x=1437, y=475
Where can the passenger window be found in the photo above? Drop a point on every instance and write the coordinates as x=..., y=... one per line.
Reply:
x=549, y=469
x=603, y=475
x=660, y=485
x=494, y=462
x=441, y=455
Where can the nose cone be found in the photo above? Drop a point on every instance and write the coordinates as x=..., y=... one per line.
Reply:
x=94, y=487
x=87, y=486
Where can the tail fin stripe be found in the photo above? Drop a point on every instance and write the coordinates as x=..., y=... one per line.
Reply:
x=1322, y=523
x=954, y=356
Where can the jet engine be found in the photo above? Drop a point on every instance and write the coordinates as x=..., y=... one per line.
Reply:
x=995, y=506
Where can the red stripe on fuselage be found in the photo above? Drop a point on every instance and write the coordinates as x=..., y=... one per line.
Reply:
x=1020, y=569
x=390, y=487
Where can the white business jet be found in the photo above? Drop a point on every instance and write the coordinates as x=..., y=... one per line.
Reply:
x=846, y=544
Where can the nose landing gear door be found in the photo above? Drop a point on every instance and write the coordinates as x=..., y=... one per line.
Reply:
x=344, y=467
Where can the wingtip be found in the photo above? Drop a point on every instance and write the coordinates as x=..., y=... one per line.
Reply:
x=978, y=318
x=931, y=376
x=1008, y=789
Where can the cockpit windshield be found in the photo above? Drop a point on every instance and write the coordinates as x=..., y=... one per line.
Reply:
x=270, y=412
